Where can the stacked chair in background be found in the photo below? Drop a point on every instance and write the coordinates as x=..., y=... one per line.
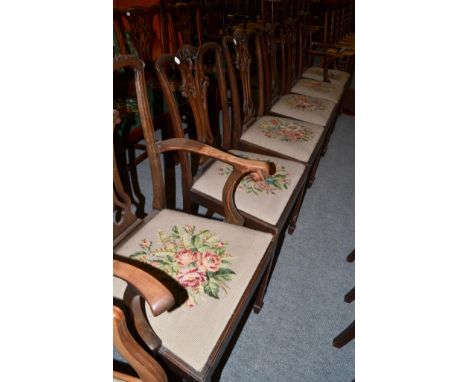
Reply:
x=234, y=105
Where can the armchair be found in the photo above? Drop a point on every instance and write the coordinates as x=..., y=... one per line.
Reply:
x=215, y=270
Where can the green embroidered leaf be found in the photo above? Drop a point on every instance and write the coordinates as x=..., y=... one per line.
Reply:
x=196, y=242
x=212, y=288
x=223, y=274
x=204, y=248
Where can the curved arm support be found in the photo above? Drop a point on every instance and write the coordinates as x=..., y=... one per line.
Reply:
x=156, y=294
x=242, y=167
x=145, y=366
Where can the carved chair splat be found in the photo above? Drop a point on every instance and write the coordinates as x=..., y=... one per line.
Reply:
x=239, y=281
x=184, y=23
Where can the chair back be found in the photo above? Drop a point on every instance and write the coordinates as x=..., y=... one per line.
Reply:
x=184, y=23
x=148, y=34
x=124, y=218
x=274, y=61
x=291, y=36
x=244, y=63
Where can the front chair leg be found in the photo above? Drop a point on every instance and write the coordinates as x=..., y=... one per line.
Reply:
x=344, y=337
x=261, y=290
x=313, y=170
x=295, y=212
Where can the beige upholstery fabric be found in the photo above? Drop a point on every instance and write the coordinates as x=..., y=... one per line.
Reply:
x=191, y=332
x=319, y=89
x=335, y=76
x=265, y=200
x=290, y=137
x=305, y=108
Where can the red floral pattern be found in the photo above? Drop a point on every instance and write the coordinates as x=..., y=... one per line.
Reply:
x=197, y=260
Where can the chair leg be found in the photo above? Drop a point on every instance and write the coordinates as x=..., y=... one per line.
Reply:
x=344, y=337
x=349, y=297
x=313, y=171
x=261, y=290
x=295, y=212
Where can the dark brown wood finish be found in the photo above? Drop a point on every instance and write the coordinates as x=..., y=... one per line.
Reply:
x=184, y=22
x=141, y=21
x=344, y=337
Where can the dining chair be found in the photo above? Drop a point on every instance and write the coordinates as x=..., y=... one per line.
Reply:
x=215, y=270
x=267, y=204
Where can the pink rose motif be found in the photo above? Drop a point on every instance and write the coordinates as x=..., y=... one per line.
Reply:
x=184, y=257
x=208, y=262
x=292, y=132
x=191, y=278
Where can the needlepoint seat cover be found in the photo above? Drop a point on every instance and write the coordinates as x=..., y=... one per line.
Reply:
x=295, y=139
x=320, y=89
x=335, y=76
x=305, y=108
x=264, y=199
x=213, y=261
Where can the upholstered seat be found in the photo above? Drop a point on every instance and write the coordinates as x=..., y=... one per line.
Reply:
x=307, y=109
x=266, y=199
x=295, y=139
x=213, y=261
x=319, y=89
x=335, y=76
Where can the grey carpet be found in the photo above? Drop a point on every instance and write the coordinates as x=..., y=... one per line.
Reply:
x=291, y=338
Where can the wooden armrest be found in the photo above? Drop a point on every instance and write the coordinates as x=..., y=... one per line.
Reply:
x=190, y=145
x=156, y=294
x=241, y=168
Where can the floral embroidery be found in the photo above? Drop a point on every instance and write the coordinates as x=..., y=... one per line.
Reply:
x=323, y=87
x=286, y=130
x=252, y=183
x=304, y=103
x=197, y=260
